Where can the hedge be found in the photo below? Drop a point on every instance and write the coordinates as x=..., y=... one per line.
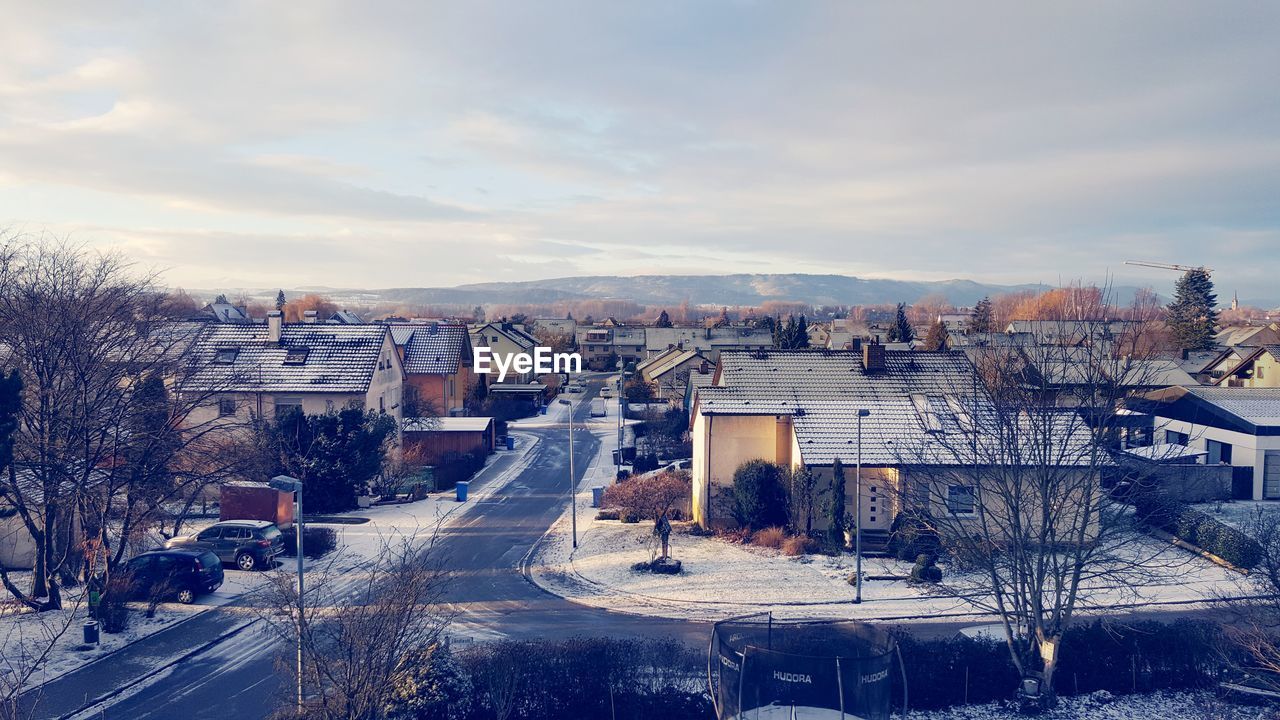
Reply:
x=455, y=467
x=316, y=541
x=1119, y=658
x=1199, y=529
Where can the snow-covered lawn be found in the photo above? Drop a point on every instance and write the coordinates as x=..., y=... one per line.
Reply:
x=1239, y=514
x=1104, y=706
x=721, y=579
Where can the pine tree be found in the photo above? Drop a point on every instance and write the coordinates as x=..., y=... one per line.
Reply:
x=938, y=339
x=280, y=301
x=801, y=339
x=836, y=508
x=982, y=319
x=221, y=299
x=1193, y=315
x=901, y=330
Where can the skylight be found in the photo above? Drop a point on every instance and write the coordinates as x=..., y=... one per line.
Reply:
x=928, y=418
x=296, y=356
x=225, y=356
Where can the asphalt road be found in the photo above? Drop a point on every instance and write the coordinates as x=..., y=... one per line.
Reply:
x=237, y=678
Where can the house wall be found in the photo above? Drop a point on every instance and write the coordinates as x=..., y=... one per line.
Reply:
x=500, y=346
x=1246, y=450
x=1266, y=374
x=445, y=394
x=433, y=446
x=881, y=501
x=928, y=487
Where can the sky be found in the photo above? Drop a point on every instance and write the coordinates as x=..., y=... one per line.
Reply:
x=431, y=144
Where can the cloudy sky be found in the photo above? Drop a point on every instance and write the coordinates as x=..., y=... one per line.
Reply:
x=419, y=144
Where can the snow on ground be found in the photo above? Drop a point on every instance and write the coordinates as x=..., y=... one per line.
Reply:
x=1239, y=514
x=721, y=579
x=1104, y=706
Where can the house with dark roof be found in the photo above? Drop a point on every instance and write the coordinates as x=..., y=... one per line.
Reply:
x=437, y=367
x=1236, y=426
x=803, y=407
x=262, y=370
x=223, y=312
x=503, y=340
x=1247, y=367
x=669, y=372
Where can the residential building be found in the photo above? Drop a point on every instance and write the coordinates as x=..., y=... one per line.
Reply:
x=801, y=407
x=223, y=312
x=555, y=326
x=1249, y=367
x=260, y=370
x=669, y=372
x=437, y=362
x=1235, y=426
x=504, y=340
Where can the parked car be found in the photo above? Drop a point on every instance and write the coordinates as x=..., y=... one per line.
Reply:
x=247, y=544
x=575, y=388
x=606, y=392
x=179, y=574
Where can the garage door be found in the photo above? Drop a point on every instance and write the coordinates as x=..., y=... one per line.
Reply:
x=1271, y=475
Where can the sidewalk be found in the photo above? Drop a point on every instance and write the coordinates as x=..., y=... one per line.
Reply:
x=132, y=664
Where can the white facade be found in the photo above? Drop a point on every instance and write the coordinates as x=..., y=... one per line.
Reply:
x=1260, y=452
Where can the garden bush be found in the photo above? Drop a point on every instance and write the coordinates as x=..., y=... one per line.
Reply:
x=911, y=536
x=770, y=537
x=649, y=497
x=926, y=569
x=759, y=494
x=797, y=545
x=316, y=541
x=112, y=611
x=607, y=515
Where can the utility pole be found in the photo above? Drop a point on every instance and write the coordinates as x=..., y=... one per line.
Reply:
x=857, y=530
x=573, y=485
x=286, y=483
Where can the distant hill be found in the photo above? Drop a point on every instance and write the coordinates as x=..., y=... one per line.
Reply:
x=739, y=290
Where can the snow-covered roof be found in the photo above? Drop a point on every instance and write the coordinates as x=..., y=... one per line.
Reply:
x=1166, y=452
x=436, y=349
x=309, y=357
x=448, y=424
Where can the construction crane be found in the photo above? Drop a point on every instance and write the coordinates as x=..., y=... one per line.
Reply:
x=1170, y=266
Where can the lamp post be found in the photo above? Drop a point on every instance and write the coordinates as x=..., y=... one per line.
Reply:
x=286, y=483
x=573, y=500
x=857, y=529
x=621, y=413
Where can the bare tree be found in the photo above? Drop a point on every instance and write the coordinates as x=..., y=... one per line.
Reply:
x=101, y=444
x=1013, y=478
x=1254, y=620
x=367, y=625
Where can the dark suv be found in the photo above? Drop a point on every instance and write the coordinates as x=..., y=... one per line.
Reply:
x=175, y=574
x=247, y=544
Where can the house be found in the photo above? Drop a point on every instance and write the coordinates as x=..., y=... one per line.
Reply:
x=261, y=370
x=1249, y=367
x=555, y=326
x=1236, y=426
x=669, y=372
x=503, y=340
x=1072, y=332
x=602, y=346
x=18, y=548
x=429, y=440
x=223, y=312
x=800, y=407
x=437, y=362
x=345, y=317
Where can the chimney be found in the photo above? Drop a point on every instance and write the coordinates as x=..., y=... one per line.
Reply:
x=856, y=344
x=704, y=368
x=275, y=322
x=309, y=317
x=873, y=357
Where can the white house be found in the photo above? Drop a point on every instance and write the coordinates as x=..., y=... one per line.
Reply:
x=1234, y=426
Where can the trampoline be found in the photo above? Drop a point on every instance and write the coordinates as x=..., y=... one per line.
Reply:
x=760, y=668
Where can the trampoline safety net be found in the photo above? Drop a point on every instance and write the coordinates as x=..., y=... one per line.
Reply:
x=760, y=668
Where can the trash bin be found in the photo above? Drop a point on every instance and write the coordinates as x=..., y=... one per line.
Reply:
x=511, y=443
x=462, y=490
x=542, y=410
x=597, y=493
x=90, y=632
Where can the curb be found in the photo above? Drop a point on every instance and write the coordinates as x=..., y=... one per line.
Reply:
x=159, y=669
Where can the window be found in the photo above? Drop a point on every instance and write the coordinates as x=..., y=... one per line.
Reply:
x=236, y=533
x=924, y=409
x=225, y=356
x=1219, y=453
x=960, y=500
x=286, y=405
x=1173, y=437
x=296, y=356
x=210, y=534
x=226, y=406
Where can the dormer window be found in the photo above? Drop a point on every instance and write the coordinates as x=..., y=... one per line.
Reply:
x=225, y=356
x=296, y=356
x=928, y=418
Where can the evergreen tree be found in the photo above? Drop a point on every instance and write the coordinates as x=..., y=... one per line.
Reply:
x=1193, y=314
x=280, y=301
x=982, y=320
x=221, y=299
x=663, y=321
x=801, y=339
x=835, y=508
x=901, y=330
x=938, y=339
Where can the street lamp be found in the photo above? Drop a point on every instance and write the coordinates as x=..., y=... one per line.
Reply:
x=857, y=529
x=294, y=485
x=622, y=411
x=573, y=501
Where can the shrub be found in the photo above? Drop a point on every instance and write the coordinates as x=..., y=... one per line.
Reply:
x=644, y=463
x=798, y=545
x=771, y=537
x=316, y=541
x=911, y=536
x=1199, y=529
x=629, y=516
x=113, y=613
x=607, y=515
x=759, y=494
x=649, y=497
x=925, y=569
